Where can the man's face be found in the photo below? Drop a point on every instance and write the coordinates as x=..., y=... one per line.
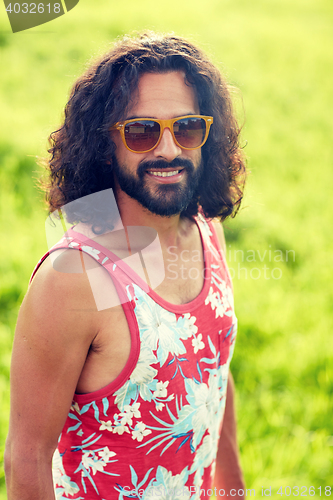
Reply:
x=138, y=175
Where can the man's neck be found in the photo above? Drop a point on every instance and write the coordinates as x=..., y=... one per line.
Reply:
x=170, y=230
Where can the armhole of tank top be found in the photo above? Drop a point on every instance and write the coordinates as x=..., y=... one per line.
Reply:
x=39, y=263
x=134, y=354
x=132, y=360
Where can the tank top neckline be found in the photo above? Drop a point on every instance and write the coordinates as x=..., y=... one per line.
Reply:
x=169, y=306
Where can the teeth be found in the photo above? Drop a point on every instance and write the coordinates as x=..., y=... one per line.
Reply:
x=164, y=174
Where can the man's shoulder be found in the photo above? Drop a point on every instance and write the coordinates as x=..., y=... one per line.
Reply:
x=60, y=292
x=60, y=271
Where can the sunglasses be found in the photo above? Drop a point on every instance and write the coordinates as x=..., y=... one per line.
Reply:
x=142, y=135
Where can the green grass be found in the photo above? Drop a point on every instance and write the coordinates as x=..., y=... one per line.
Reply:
x=279, y=54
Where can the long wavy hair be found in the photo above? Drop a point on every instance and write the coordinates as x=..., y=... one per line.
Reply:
x=81, y=149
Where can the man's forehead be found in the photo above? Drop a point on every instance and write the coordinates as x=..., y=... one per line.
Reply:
x=162, y=92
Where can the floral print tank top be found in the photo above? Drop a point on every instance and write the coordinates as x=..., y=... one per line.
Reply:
x=153, y=432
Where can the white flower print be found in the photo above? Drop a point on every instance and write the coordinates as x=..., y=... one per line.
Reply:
x=57, y=466
x=159, y=406
x=204, y=400
x=65, y=238
x=204, y=457
x=86, y=460
x=91, y=251
x=189, y=325
x=89, y=462
x=227, y=294
x=186, y=326
x=130, y=411
x=69, y=488
x=140, y=380
x=161, y=389
x=158, y=327
x=106, y=426
x=106, y=454
x=127, y=418
x=211, y=298
x=133, y=410
x=222, y=303
x=168, y=487
x=143, y=372
x=140, y=431
x=120, y=429
x=73, y=244
x=75, y=407
x=197, y=343
x=60, y=478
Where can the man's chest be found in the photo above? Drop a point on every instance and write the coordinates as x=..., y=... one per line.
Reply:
x=111, y=348
x=184, y=278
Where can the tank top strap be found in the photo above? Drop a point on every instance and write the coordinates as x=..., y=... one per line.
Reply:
x=118, y=268
x=208, y=232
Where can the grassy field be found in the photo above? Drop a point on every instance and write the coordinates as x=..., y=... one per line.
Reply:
x=278, y=53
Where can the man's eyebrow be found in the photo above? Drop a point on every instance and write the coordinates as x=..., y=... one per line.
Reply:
x=140, y=117
x=134, y=117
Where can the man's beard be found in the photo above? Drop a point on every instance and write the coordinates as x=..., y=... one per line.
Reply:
x=165, y=200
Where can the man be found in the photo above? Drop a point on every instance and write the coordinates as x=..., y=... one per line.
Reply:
x=140, y=392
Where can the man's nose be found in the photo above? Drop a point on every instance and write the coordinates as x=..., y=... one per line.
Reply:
x=167, y=148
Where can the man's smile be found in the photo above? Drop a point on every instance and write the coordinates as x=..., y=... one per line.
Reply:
x=167, y=176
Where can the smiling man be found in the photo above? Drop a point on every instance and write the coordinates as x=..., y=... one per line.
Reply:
x=133, y=400
x=165, y=181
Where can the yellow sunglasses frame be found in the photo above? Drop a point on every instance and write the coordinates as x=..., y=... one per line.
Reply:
x=163, y=125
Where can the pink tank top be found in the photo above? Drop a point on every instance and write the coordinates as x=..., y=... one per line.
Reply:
x=153, y=432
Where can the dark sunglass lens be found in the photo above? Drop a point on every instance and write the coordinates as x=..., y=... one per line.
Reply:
x=190, y=132
x=142, y=135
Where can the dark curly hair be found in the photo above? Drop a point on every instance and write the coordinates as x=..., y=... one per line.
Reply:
x=82, y=149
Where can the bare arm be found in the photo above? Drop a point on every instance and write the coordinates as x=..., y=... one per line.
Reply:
x=228, y=475
x=53, y=335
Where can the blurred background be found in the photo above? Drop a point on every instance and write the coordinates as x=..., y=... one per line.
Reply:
x=279, y=55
